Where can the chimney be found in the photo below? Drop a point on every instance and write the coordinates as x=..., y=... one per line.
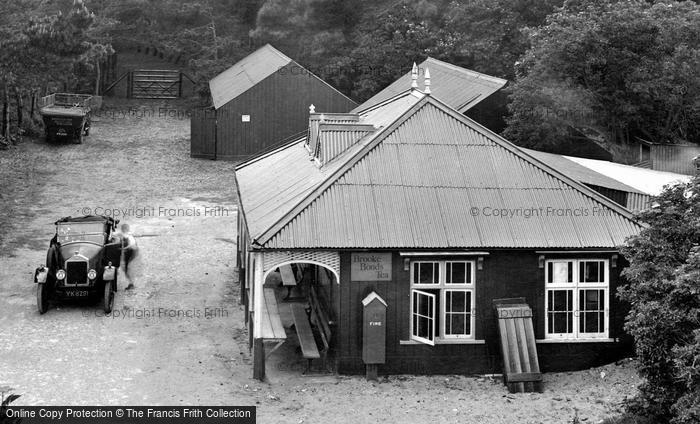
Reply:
x=427, y=81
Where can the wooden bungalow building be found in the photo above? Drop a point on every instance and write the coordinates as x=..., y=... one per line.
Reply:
x=412, y=205
x=258, y=102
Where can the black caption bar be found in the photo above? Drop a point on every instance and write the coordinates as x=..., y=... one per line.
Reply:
x=129, y=414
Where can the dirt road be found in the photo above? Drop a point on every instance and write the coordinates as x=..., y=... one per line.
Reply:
x=179, y=338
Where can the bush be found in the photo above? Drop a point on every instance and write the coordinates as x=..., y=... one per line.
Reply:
x=664, y=318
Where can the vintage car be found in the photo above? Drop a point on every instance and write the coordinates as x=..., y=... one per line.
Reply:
x=82, y=262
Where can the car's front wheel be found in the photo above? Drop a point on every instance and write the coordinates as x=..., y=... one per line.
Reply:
x=42, y=298
x=108, y=297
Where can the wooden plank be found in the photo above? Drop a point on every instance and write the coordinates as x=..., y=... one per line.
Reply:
x=531, y=347
x=306, y=337
x=504, y=346
x=287, y=275
x=515, y=366
x=274, y=315
x=522, y=350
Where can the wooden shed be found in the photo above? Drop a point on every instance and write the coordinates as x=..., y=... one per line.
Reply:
x=257, y=103
x=486, y=259
x=677, y=158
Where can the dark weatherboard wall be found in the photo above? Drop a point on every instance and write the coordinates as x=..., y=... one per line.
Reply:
x=272, y=111
x=505, y=274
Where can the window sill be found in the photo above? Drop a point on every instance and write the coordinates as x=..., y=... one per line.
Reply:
x=443, y=342
x=601, y=340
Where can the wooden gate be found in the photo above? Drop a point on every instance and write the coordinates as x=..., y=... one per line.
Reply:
x=203, y=133
x=155, y=84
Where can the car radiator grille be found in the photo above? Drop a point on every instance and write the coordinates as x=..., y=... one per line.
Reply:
x=76, y=273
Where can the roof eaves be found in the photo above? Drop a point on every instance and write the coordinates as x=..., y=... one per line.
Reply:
x=264, y=154
x=334, y=176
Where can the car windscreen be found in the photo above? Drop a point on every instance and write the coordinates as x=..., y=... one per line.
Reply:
x=81, y=231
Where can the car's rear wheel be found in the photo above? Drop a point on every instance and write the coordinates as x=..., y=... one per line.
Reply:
x=42, y=298
x=108, y=297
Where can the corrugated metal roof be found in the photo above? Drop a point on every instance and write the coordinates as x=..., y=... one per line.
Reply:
x=335, y=139
x=245, y=74
x=431, y=178
x=458, y=87
x=581, y=173
x=647, y=181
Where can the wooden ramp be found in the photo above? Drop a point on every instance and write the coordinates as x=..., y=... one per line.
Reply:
x=521, y=369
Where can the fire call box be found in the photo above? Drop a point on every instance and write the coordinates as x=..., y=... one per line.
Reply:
x=374, y=329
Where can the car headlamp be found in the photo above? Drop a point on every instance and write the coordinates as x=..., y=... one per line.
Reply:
x=60, y=274
x=92, y=274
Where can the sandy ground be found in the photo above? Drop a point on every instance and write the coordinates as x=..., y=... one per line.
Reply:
x=179, y=338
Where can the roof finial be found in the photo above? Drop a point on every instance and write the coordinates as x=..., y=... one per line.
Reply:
x=427, y=81
x=414, y=76
x=312, y=108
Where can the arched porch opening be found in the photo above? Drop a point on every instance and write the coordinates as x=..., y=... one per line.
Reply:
x=284, y=285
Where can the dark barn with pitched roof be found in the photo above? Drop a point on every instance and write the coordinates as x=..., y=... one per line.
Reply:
x=260, y=101
x=445, y=222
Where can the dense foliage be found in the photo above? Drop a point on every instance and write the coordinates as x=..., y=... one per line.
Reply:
x=664, y=293
x=612, y=70
x=608, y=70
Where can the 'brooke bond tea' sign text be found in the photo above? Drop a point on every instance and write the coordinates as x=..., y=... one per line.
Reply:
x=370, y=267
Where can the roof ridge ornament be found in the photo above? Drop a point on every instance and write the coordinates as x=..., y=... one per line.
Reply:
x=414, y=76
x=427, y=81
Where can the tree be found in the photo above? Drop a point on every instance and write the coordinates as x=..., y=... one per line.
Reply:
x=612, y=70
x=664, y=294
x=491, y=34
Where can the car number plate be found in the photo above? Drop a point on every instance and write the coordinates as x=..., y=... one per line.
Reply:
x=76, y=293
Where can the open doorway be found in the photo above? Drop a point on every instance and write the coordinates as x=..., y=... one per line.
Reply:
x=306, y=296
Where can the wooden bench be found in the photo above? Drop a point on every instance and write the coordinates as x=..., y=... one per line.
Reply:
x=288, y=279
x=307, y=342
x=272, y=328
x=306, y=320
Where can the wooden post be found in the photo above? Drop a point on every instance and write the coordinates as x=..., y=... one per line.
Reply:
x=259, y=359
x=257, y=294
x=371, y=372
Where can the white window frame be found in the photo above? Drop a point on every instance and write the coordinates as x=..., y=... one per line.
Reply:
x=576, y=287
x=443, y=287
x=431, y=299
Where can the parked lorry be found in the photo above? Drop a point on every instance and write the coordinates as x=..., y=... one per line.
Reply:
x=66, y=115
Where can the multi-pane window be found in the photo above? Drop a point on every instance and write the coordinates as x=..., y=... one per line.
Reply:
x=442, y=300
x=577, y=296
